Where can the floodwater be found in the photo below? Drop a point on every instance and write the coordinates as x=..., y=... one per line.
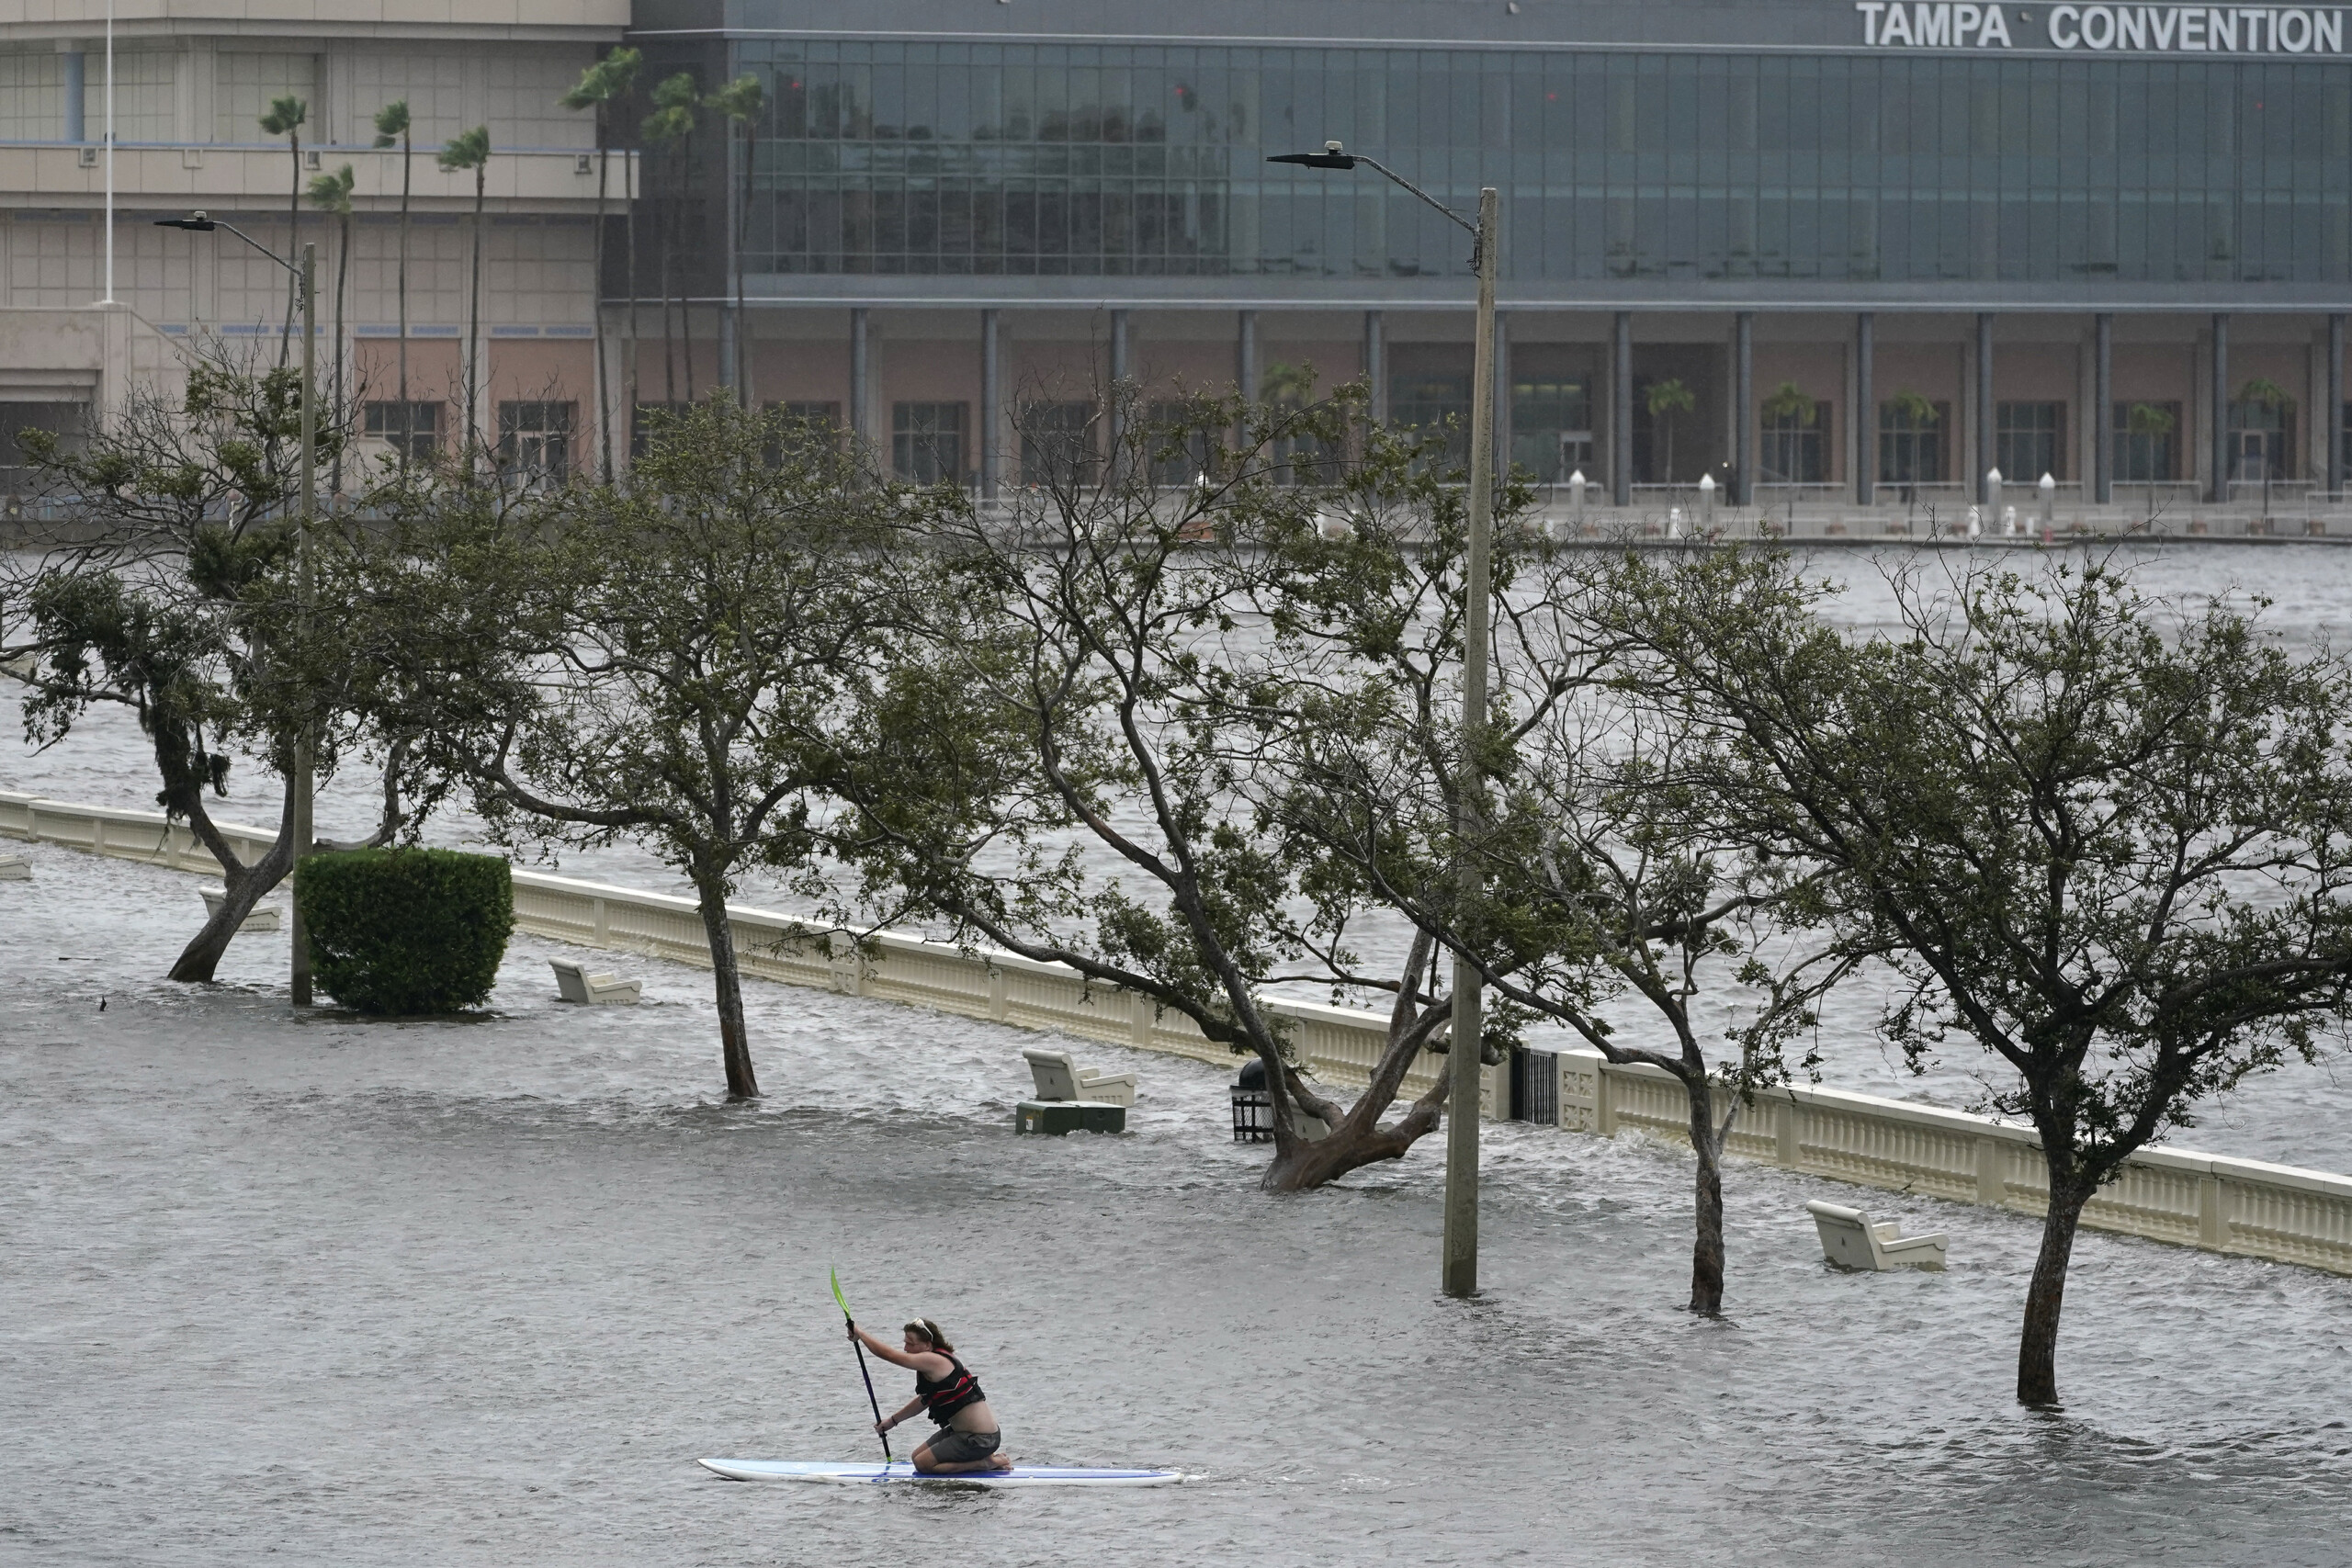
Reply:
x=479, y=1292
x=2300, y=1116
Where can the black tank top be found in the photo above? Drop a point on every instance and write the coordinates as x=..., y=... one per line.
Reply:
x=953, y=1392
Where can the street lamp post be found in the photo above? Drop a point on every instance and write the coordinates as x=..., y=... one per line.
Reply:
x=303, y=783
x=1459, y=1268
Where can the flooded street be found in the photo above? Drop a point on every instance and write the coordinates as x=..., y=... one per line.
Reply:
x=480, y=1292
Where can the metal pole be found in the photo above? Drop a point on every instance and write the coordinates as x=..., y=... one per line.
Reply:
x=109, y=299
x=1375, y=365
x=303, y=780
x=2335, y=406
x=1461, y=1272
x=2103, y=408
x=1863, y=443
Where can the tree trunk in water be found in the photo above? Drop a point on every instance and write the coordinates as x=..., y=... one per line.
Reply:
x=1707, y=1247
x=2046, y=1296
x=1300, y=1164
x=734, y=1041
x=242, y=888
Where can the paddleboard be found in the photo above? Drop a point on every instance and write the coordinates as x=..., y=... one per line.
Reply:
x=1019, y=1475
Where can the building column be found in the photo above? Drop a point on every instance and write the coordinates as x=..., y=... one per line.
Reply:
x=1245, y=361
x=1621, y=410
x=1862, y=443
x=2334, y=379
x=860, y=412
x=1114, y=412
x=1502, y=400
x=76, y=76
x=2217, y=486
x=2103, y=409
x=991, y=408
x=1743, y=398
x=1984, y=407
x=1375, y=365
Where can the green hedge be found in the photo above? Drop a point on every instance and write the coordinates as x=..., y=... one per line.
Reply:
x=406, y=930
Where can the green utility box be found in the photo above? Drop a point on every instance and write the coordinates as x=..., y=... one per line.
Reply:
x=1059, y=1116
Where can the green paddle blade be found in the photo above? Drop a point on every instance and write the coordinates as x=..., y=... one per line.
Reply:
x=835, y=1274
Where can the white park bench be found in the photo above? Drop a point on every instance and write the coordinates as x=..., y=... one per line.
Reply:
x=1059, y=1077
x=261, y=917
x=15, y=868
x=1851, y=1241
x=595, y=990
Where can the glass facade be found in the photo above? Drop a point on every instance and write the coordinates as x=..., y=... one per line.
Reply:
x=901, y=158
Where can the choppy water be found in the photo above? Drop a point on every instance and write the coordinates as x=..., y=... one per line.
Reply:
x=2301, y=1116
x=479, y=1292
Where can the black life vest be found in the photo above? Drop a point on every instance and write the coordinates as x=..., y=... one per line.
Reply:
x=953, y=1392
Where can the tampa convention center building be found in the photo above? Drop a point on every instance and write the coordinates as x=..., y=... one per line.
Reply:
x=1853, y=252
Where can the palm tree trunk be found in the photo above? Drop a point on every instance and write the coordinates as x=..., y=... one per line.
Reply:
x=293, y=245
x=604, y=392
x=634, y=166
x=685, y=285
x=341, y=270
x=407, y=425
x=669, y=343
x=473, y=318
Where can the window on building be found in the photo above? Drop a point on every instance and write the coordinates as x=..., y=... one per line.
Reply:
x=246, y=83
x=2029, y=440
x=1795, y=444
x=2147, y=443
x=650, y=420
x=411, y=430
x=1436, y=403
x=1057, y=443
x=1177, y=460
x=2262, y=439
x=1551, y=427
x=927, y=442
x=534, y=440
x=66, y=420
x=802, y=422
x=1911, y=441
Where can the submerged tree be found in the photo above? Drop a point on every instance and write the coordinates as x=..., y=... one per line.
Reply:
x=173, y=592
x=2109, y=843
x=1601, y=898
x=696, y=622
x=1053, y=764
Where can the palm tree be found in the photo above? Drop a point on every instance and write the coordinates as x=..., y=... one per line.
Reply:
x=470, y=150
x=285, y=119
x=741, y=101
x=671, y=127
x=2147, y=421
x=332, y=193
x=1665, y=399
x=392, y=130
x=610, y=79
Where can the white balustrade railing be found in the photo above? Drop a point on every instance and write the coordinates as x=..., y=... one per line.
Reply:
x=2173, y=1195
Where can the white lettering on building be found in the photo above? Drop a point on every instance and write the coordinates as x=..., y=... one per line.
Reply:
x=2164, y=28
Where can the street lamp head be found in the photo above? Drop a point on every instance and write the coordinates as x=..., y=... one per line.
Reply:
x=194, y=224
x=1331, y=157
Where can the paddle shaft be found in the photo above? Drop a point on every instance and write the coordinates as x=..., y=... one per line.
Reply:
x=860, y=1345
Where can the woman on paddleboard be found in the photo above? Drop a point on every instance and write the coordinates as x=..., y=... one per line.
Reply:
x=967, y=1437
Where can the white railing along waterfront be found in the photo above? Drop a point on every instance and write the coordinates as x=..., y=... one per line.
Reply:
x=2214, y=1201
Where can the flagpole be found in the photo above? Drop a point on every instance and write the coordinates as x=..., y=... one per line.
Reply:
x=109, y=299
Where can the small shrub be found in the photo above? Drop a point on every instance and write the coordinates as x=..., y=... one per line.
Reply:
x=406, y=930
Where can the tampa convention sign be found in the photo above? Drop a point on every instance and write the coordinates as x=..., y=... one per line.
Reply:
x=2139, y=30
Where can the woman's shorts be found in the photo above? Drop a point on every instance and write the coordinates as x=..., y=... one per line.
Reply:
x=951, y=1447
